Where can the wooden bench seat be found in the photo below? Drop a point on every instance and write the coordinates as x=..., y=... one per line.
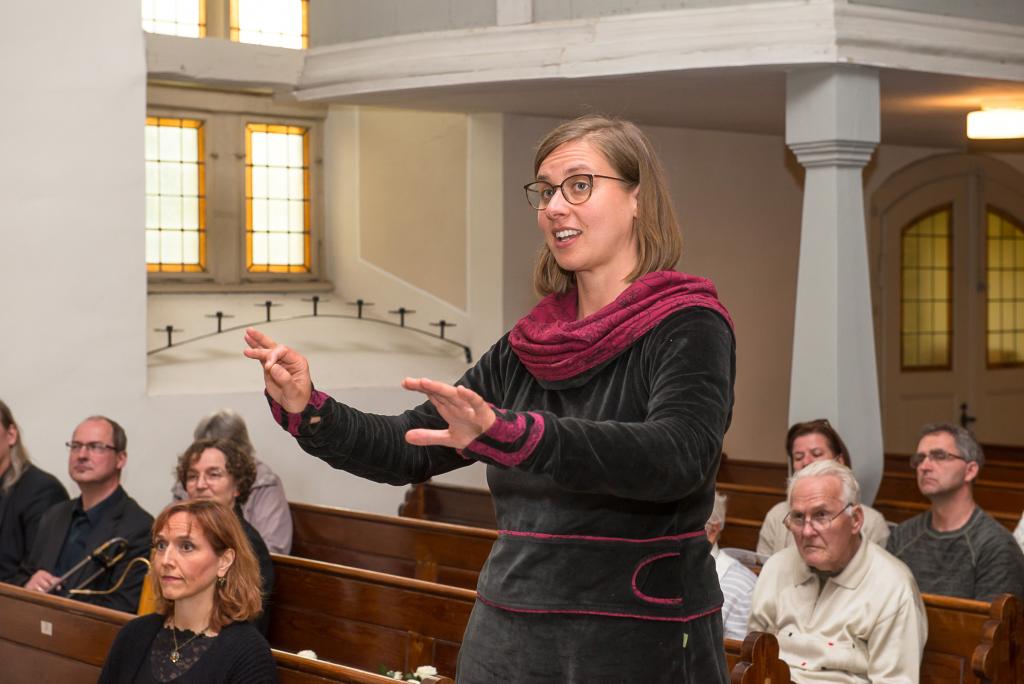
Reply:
x=80, y=635
x=367, y=619
x=426, y=550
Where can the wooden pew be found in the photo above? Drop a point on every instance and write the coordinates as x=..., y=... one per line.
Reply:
x=992, y=496
x=755, y=660
x=763, y=473
x=470, y=506
x=898, y=511
x=80, y=635
x=426, y=550
x=367, y=619
x=972, y=641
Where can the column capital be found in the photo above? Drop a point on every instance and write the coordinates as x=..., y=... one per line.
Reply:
x=846, y=153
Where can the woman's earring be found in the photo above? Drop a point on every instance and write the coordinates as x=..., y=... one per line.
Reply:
x=221, y=581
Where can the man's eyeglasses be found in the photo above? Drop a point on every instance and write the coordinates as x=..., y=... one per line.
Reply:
x=937, y=456
x=820, y=520
x=575, y=189
x=94, y=447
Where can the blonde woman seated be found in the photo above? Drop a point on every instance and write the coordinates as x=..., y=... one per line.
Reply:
x=208, y=589
x=807, y=443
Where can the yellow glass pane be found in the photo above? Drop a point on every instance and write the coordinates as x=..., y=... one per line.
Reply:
x=277, y=182
x=152, y=141
x=259, y=216
x=170, y=179
x=259, y=248
x=190, y=180
x=259, y=182
x=152, y=246
x=174, y=17
x=296, y=184
x=190, y=222
x=296, y=216
x=296, y=249
x=170, y=143
x=940, y=284
x=278, y=248
x=277, y=214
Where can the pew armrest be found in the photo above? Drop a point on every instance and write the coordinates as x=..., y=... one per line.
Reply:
x=999, y=657
x=760, y=662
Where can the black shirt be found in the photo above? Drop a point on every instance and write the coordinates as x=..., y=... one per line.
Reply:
x=82, y=523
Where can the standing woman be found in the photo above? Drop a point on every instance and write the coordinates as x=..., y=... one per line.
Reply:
x=208, y=588
x=600, y=416
x=26, y=492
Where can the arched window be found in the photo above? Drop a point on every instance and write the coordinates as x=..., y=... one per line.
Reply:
x=926, y=292
x=1004, y=271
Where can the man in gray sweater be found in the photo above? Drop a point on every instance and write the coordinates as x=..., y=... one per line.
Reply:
x=955, y=548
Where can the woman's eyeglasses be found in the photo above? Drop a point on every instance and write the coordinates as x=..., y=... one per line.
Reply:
x=576, y=189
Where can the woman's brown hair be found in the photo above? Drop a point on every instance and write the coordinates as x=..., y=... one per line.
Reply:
x=19, y=457
x=627, y=149
x=238, y=598
x=820, y=427
x=237, y=459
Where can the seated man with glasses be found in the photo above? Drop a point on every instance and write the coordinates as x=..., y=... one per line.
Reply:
x=842, y=608
x=76, y=530
x=955, y=548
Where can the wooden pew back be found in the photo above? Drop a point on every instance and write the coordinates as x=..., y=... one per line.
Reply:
x=426, y=550
x=755, y=660
x=471, y=506
x=367, y=619
x=80, y=635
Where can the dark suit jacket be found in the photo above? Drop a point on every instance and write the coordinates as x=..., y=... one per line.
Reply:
x=21, y=508
x=126, y=519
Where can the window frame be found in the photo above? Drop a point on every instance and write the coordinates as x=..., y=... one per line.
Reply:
x=224, y=116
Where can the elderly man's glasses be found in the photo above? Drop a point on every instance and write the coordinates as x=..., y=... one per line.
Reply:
x=936, y=455
x=94, y=447
x=575, y=189
x=819, y=520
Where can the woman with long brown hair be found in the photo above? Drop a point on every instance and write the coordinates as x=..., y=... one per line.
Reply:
x=600, y=417
x=207, y=584
x=26, y=492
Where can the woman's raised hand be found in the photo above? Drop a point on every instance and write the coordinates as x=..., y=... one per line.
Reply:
x=285, y=371
x=467, y=414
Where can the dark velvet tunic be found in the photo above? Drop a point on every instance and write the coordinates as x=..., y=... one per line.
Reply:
x=602, y=485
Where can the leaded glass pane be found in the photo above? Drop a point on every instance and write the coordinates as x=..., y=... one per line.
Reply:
x=1005, y=289
x=174, y=17
x=282, y=23
x=925, y=298
x=277, y=177
x=175, y=222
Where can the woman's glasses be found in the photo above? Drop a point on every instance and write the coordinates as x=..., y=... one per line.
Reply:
x=575, y=189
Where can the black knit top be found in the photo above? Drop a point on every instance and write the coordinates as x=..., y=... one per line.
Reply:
x=239, y=653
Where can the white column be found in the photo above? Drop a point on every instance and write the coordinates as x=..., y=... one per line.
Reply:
x=832, y=125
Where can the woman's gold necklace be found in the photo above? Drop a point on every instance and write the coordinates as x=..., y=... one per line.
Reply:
x=176, y=653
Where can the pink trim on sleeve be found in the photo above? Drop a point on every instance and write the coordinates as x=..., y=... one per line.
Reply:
x=510, y=431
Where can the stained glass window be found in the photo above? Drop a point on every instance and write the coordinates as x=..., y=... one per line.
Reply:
x=175, y=17
x=1004, y=271
x=283, y=23
x=277, y=198
x=175, y=195
x=926, y=302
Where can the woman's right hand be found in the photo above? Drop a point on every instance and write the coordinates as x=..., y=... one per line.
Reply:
x=285, y=371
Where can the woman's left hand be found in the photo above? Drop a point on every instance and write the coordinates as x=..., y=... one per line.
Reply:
x=467, y=414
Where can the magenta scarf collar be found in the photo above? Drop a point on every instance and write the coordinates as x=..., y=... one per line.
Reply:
x=554, y=346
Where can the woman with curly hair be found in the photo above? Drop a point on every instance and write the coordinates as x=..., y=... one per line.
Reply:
x=223, y=470
x=208, y=590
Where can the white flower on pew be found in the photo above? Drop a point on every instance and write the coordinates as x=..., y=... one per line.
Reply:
x=422, y=672
x=307, y=653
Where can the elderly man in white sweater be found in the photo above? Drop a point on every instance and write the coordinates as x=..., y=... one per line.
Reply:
x=843, y=609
